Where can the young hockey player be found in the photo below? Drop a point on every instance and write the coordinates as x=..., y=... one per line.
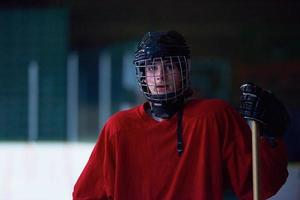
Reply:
x=174, y=147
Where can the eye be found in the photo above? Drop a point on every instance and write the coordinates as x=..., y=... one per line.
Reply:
x=151, y=68
x=168, y=67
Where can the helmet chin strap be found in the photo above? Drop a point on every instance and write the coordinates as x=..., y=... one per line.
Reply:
x=166, y=109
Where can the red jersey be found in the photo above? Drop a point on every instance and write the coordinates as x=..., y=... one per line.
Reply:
x=136, y=158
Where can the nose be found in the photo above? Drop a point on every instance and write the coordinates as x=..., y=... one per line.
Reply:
x=159, y=73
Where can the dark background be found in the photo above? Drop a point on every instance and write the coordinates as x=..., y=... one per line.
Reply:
x=259, y=40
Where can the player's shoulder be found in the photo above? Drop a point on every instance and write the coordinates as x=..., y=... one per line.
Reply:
x=123, y=117
x=206, y=107
x=119, y=121
x=124, y=114
x=208, y=104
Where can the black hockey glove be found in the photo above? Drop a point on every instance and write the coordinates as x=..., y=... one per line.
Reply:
x=261, y=105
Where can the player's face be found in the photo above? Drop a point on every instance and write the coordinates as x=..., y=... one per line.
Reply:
x=163, y=77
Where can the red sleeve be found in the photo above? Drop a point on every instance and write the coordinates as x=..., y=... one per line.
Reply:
x=238, y=157
x=96, y=179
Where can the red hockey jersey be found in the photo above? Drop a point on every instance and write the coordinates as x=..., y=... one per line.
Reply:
x=135, y=157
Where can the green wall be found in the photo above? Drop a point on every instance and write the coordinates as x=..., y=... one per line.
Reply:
x=26, y=35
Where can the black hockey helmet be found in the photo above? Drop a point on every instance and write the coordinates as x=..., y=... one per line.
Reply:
x=170, y=49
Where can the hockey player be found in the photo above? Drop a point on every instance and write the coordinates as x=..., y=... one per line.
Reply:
x=173, y=147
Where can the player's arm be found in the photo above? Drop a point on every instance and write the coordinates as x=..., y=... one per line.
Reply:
x=237, y=150
x=96, y=180
x=262, y=106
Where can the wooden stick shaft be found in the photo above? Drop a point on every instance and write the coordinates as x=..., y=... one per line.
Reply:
x=255, y=159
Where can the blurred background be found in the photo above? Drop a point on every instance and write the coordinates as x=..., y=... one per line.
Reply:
x=66, y=66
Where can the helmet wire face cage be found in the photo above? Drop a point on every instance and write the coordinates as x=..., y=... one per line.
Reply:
x=162, y=66
x=163, y=79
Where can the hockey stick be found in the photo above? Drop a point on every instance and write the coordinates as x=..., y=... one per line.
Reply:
x=254, y=125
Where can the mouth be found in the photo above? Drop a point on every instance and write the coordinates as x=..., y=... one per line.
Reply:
x=163, y=88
